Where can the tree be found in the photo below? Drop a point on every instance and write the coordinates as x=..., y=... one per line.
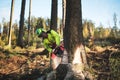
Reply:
x=53, y=23
x=88, y=29
x=15, y=28
x=29, y=23
x=10, y=24
x=106, y=32
x=5, y=28
x=85, y=29
x=48, y=23
x=64, y=12
x=44, y=24
x=101, y=31
x=115, y=25
x=20, y=36
x=73, y=40
x=0, y=29
x=63, y=16
x=115, y=19
x=33, y=25
x=41, y=23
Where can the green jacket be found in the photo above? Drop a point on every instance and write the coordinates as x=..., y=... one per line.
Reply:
x=53, y=37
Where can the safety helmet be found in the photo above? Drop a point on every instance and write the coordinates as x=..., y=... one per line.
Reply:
x=39, y=31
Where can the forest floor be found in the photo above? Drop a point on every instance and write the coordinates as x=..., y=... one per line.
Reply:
x=28, y=64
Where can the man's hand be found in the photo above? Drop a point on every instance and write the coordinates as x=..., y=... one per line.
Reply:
x=53, y=50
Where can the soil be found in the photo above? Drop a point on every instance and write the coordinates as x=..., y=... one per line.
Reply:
x=31, y=65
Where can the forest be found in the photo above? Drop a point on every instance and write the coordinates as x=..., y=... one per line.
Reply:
x=96, y=48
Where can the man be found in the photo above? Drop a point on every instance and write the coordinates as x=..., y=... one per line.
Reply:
x=51, y=41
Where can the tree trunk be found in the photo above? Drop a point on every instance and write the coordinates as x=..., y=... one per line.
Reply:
x=10, y=24
x=73, y=37
x=64, y=13
x=73, y=42
x=0, y=31
x=63, y=16
x=29, y=23
x=20, y=36
x=53, y=24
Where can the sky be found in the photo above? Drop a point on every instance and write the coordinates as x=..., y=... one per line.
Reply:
x=98, y=11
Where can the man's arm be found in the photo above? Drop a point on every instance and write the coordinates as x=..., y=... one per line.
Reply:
x=56, y=36
x=47, y=46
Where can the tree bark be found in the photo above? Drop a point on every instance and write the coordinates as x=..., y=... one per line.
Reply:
x=73, y=36
x=64, y=12
x=10, y=24
x=53, y=23
x=73, y=41
x=29, y=23
x=20, y=36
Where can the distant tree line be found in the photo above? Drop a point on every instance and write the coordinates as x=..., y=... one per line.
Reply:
x=90, y=31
